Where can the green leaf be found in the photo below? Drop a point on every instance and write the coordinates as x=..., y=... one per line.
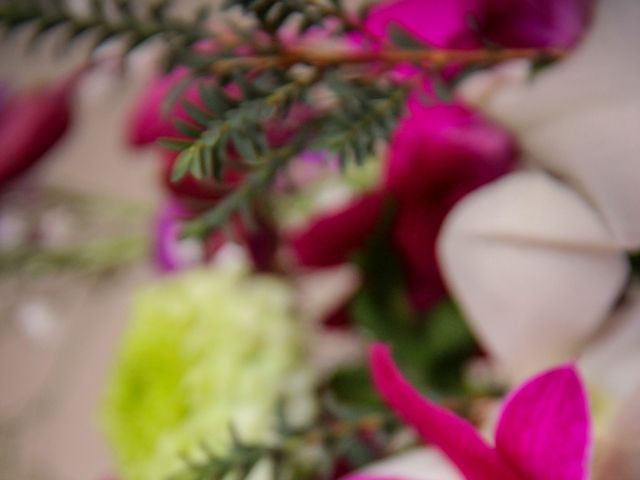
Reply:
x=176, y=144
x=245, y=147
x=183, y=164
x=196, y=114
x=187, y=128
x=400, y=37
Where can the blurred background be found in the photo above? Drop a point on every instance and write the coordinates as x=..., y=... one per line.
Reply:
x=61, y=316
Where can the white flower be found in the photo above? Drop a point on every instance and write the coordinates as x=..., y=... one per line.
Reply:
x=537, y=260
x=533, y=267
x=537, y=263
x=580, y=119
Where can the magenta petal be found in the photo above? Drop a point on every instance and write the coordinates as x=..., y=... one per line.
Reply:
x=456, y=437
x=544, y=430
x=31, y=123
x=536, y=24
x=440, y=23
x=333, y=237
x=155, y=112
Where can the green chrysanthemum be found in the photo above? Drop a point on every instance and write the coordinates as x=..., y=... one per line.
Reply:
x=204, y=351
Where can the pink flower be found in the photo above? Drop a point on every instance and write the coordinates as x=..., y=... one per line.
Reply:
x=543, y=432
x=536, y=24
x=440, y=23
x=153, y=116
x=193, y=193
x=509, y=23
x=438, y=154
x=31, y=123
x=332, y=238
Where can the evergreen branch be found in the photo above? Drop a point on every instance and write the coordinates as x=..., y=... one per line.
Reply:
x=367, y=115
x=241, y=198
x=308, y=453
x=106, y=20
x=273, y=14
x=226, y=121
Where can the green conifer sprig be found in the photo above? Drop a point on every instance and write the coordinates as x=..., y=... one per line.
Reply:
x=361, y=117
x=271, y=15
x=105, y=20
x=269, y=75
x=366, y=116
x=311, y=452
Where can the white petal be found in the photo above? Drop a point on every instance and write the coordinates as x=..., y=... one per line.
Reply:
x=602, y=69
x=418, y=464
x=533, y=267
x=580, y=119
x=611, y=363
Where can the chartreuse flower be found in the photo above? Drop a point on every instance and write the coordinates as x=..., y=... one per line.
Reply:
x=205, y=351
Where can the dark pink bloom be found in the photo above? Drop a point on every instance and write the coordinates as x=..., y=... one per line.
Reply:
x=438, y=154
x=333, y=237
x=440, y=23
x=153, y=116
x=543, y=432
x=31, y=123
x=441, y=152
x=509, y=23
x=170, y=253
x=197, y=194
x=414, y=235
x=536, y=24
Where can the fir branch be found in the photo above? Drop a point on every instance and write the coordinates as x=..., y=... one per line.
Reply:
x=308, y=453
x=241, y=198
x=106, y=20
x=366, y=116
x=271, y=15
x=362, y=116
x=227, y=121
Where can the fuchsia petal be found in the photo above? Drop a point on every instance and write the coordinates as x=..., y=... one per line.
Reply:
x=456, y=437
x=440, y=23
x=31, y=123
x=153, y=116
x=441, y=152
x=536, y=23
x=544, y=429
x=331, y=238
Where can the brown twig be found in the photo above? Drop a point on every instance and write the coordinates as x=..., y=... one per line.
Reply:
x=390, y=56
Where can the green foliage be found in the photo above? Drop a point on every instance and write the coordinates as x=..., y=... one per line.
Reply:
x=366, y=115
x=338, y=434
x=226, y=126
x=105, y=20
x=361, y=116
x=432, y=347
x=273, y=14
